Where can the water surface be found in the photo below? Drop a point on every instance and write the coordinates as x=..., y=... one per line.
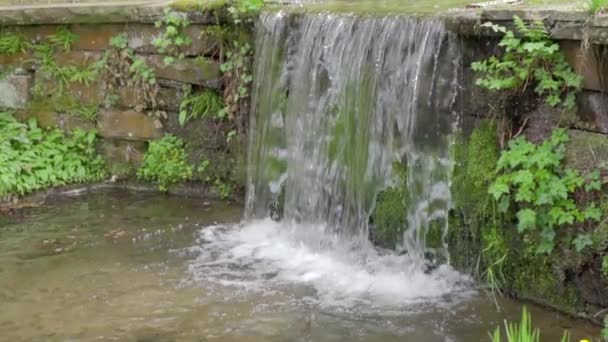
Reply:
x=128, y=267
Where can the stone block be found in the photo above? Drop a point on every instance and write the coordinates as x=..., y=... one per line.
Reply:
x=95, y=37
x=141, y=39
x=19, y=60
x=128, y=125
x=78, y=58
x=593, y=110
x=48, y=119
x=122, y=157
x=85, y=93
x=169, y=98
x=586, y=150
x=15, y=90
x=588, y=63
x=189, y=70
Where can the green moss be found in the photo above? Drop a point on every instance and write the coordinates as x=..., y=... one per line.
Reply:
x=475, y=169
x=390, y=217
x=476, y=159
x=194, y=5
x=434, y=236
x=63, y=103
x=533, y=277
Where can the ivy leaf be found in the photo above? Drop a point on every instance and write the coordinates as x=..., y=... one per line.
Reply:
x=582, y=241
x=526, y=220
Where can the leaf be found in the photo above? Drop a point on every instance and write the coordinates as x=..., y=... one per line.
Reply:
x=526, y=220
x=499, y=188
x=582, y=241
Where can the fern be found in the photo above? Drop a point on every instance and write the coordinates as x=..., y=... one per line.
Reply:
x=530, y=60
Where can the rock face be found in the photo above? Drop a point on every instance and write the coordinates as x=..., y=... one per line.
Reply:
x=128, y=125
x=15, y=90
x=85, y=82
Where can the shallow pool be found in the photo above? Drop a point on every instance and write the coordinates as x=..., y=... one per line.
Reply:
x=119, y=266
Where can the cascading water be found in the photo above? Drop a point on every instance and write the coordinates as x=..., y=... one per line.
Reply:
x=338, y=101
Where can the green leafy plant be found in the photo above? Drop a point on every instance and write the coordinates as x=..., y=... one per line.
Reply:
x=32, y=158
x=223, y=188
x=206, y=103
x=597, y=6
x=522, y=331
x=605, y=266
x=139, y=68
x=12, y=43
x=166, y=163
x=532, y=60
x=534, y=180
x=241, y=10
x=238, y=78
x=119, y=41
x=173, y=38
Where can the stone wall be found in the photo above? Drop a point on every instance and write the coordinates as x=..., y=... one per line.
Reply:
x=127, y=113
x=566, y=280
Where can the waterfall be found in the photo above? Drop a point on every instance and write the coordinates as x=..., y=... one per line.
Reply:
x=338, y=99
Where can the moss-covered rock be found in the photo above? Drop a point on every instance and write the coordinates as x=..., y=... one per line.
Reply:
x=476, y=158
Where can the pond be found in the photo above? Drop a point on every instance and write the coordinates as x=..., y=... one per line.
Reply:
x=148, y=267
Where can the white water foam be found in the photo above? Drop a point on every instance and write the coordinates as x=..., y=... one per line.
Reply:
x=265, y=255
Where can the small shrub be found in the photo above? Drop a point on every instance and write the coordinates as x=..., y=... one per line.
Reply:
x=533, y=60
x=33, y=159
x=534, y=180
x=165, y=163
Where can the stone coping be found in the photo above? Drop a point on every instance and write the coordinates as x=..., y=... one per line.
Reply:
x=140, y=11
x=563, y=23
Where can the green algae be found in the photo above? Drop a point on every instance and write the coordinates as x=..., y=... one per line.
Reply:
x=389, y=217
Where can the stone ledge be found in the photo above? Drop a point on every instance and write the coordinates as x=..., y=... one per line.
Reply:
x=137, y=11
x=563, y=24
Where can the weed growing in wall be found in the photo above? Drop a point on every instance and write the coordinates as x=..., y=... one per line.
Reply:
x=32, y=158
x=166, y=163
x=12, y=42
x=204, y=104
x=173, y=39
x=125, y=69
x=534, y=180
x=532, y=60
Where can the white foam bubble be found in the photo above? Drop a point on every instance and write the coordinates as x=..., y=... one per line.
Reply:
x=263, y=255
